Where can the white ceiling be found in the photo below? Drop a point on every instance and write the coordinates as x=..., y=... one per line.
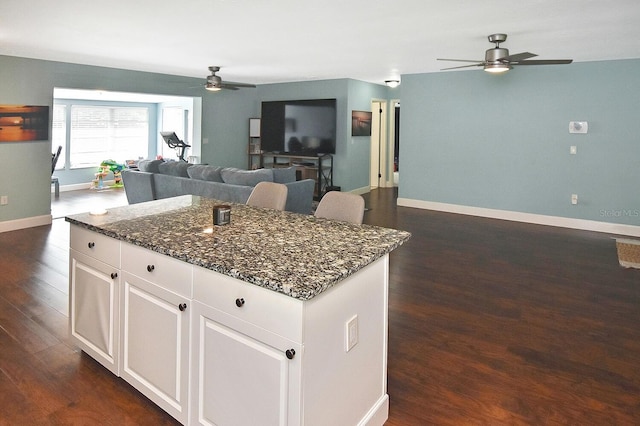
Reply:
x=269, y=41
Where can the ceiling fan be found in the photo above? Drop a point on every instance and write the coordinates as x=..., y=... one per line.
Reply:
x=497, y=59
x=214, y=82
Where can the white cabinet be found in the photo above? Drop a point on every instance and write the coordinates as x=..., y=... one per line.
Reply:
x=155, y=328
x=241, y=371
x=246, y=353
x=240, y=380
x=94, y=291
x=214, y=350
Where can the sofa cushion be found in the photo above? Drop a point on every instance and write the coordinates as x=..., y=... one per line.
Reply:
x=174, y=168
x=203, y=172
x=246, y=177
x=150, y=166
x=284, y=174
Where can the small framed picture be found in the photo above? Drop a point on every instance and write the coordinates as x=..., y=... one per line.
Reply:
x=254, y=127
x=360, y=123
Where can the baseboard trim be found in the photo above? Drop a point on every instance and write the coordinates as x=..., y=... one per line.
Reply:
x=378, y=414
x=537, y=219
x=27, y=222
x=361, y=191
x=77, y=186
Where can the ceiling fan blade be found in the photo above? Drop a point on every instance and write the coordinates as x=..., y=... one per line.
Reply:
x=460, y=60
x=463, y=66
x=229, y=84
x=520, y=57
x=545, y=62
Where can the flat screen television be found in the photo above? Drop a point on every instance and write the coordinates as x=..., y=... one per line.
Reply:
x=303, y=127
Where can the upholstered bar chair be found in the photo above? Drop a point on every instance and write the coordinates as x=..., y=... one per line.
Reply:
x=268, y=195
x=343, y=206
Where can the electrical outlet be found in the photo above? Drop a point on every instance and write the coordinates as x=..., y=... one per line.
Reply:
x=4, y=200
x=351, y=333
x=573, y=150
x=574, y=199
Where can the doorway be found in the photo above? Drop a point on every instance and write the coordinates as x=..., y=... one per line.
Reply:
x=378, y=175
x=385, y=144
x=395, y=132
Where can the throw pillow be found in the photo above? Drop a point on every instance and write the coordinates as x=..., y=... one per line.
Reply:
x=284, y=174
x=150, y=166
x=174, y=168
x=246, y=177
x=202, y=172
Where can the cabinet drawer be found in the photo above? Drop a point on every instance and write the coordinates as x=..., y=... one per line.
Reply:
x=96, y=245
x=164, y=271
x=267, y=309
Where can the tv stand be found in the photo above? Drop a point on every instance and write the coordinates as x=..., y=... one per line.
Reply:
x=318, y=168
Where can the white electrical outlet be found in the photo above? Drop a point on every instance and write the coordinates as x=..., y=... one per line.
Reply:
x=574, y=199
x=4, y=200
x=351, y=333
x=573, y=149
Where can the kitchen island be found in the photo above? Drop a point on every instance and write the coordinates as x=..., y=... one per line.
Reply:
x=277, y=318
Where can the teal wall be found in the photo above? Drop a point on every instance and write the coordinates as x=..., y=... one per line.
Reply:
x=25, y=175
x=467, y=138
x=502, y=141
x=360, y=96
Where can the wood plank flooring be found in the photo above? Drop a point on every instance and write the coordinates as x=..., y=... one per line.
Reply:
x=491, y=323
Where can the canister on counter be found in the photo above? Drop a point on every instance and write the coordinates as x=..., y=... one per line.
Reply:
x=221, y=214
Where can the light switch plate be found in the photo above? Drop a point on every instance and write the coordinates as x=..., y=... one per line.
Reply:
x=578, y=127
x=351, y=333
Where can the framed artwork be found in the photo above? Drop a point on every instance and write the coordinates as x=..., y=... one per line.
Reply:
x=254, y=127
x=360, y=123
x=20, y=123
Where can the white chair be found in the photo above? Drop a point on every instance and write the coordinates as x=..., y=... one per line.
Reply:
x=343, y=206
x=268, y=195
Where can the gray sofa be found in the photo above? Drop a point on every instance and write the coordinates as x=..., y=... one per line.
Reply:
x=156, y=179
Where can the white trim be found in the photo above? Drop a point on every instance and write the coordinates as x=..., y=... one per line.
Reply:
x=77, y=186
x=378, y=414
x=27, y=222
x=538, y=219
x=360, y=191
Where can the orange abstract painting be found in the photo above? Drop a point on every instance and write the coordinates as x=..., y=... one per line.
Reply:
x=20, y=123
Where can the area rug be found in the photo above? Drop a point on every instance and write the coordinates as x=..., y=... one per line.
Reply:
x=628, y=252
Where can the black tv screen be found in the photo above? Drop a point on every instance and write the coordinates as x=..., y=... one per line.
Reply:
x=303, y=127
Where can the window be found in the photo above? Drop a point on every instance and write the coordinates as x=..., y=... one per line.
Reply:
x=98, y=133
x=93, y=126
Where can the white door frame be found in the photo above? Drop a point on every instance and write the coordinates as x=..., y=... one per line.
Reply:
x=379, y=167
x=392, y=130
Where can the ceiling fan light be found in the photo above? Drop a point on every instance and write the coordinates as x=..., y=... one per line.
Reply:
x=212, y=87
x=392, y=83
x=496, y=68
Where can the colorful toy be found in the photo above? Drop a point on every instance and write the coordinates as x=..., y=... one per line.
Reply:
x=106, y=167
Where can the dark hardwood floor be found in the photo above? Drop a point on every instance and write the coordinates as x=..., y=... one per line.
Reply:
x=491, y=323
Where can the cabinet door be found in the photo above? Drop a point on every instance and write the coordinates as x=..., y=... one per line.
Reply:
x=155, y=344
x=239, y=380
x=94, y=308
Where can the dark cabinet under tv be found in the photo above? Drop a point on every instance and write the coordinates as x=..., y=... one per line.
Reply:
x=318, y=168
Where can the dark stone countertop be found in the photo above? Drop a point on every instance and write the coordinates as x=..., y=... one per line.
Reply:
x=298, y=255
